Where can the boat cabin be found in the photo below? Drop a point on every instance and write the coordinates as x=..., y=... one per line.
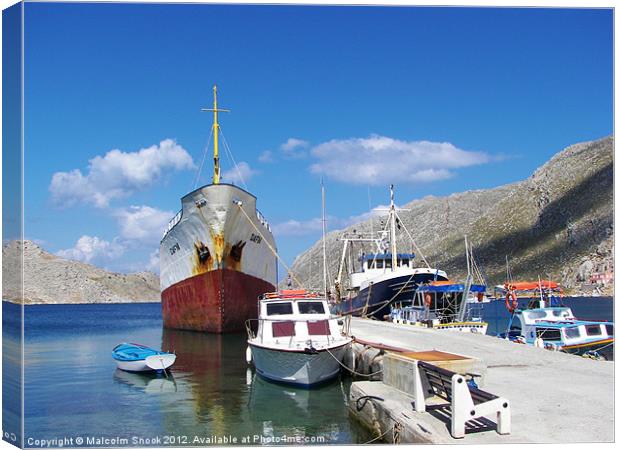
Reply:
x=557, y=326
x=383, y=261
x=294, y=317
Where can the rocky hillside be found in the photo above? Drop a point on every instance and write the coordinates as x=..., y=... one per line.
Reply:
x=559, y=222
x=50, y=279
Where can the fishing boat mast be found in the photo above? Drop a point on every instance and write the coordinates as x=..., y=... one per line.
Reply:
x=392, y=219
x=216, y=134
x=324, y=244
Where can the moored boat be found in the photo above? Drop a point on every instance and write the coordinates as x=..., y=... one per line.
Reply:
x=547, y=323
x=443, y=305
x=217, y=256
x=140, y=358
x=384, y=276
x=295, y=339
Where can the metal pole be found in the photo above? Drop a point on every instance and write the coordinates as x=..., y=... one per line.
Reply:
x=324, y=244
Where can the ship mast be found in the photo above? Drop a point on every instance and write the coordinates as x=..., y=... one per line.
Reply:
x=324, y=243
x=216, y=134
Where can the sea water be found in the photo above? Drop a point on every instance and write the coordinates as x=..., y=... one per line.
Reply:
x=75, y=396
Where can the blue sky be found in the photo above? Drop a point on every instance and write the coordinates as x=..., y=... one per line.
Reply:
x=435, y=100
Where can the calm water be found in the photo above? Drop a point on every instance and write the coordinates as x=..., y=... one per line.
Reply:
x=72, y=386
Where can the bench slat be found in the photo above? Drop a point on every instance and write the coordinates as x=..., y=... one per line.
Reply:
x=480, y=396
x=440, y=380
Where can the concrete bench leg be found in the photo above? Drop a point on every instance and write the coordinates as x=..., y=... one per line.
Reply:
x=503, y=418
x=419, y=398
x=463, y=409
x=461, y=405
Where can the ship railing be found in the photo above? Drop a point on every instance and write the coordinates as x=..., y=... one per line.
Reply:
x=176, y=219
x=262, y=220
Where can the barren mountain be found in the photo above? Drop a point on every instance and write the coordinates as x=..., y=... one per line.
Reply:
x=559, y=221
x=51, y=279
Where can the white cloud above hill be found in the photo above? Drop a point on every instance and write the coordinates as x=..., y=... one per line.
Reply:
x=89, y=248
x=142, y=223
x=377, y=160
x=118, y=174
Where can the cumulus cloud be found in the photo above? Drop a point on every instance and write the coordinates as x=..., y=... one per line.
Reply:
x=380, y=160
x=89, y=248
x=142, y=223
x=294, y=148
x=240, y=174
x=118, y=174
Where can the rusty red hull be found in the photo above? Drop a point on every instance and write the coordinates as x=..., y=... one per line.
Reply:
x=218, y=301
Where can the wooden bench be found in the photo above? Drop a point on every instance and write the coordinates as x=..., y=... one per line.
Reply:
x=467, y=403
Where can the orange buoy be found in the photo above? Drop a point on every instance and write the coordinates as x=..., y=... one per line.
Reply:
x=511, y=301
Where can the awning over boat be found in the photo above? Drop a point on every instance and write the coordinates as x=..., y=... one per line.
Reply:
x=450, y=287
x=532, y=285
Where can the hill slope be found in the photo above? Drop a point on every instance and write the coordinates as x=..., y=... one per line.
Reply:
x=559, y=222
x=50, y=279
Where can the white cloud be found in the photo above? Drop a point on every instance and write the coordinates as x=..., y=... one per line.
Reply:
x=88, y=248
x=313, y=226
x=240, y=174
x=153, y=264
x=297, y=228
x=294, y=148
x=380, y=160
x=266, y=156
x=118, y=174
x=142, y=223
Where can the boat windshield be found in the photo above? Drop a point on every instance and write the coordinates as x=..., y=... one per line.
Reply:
x=548, y=334
x=593, y=330
x=279, y=309
x=311, y=308
x=572, y=332
x=562, y=312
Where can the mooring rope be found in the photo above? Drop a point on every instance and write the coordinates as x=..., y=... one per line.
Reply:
x=352, y=370
x=385, y=302
x=239, y=204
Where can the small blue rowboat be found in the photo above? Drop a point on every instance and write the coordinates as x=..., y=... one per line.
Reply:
x=140, y=358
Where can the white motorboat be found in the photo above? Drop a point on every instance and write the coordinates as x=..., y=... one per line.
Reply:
x=296, y=341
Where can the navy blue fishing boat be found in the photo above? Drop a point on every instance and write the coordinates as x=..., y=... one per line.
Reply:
x=384, y=277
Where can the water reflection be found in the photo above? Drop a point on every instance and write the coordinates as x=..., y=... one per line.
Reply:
x=230, y=399
x=288, y=406
x=149, y=382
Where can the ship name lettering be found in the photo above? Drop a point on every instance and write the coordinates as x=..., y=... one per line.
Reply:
x=256, y=238
x=174, y=248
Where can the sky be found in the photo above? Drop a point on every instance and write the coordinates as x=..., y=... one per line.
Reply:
x=433, y=100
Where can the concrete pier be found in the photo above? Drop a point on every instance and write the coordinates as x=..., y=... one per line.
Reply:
x=555, y=397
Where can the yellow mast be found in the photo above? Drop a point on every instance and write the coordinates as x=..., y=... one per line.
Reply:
x=216, y=134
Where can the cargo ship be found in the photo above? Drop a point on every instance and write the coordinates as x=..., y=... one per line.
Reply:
x=217, y=255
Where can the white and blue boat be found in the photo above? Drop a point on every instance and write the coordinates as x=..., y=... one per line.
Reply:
x=140, y=358
x=546, y=323
x=443, y=305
